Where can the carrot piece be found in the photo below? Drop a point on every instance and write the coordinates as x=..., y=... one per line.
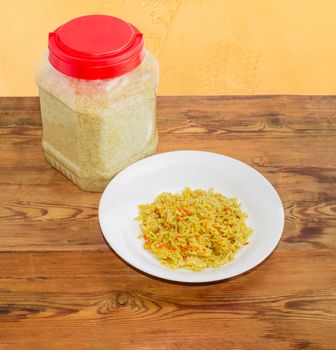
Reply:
x=187, y=211
x=246, y=243
x=182, y=211
x=148, y=244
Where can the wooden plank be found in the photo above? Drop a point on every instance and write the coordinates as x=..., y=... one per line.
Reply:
x=283, y=300
x=32, y=221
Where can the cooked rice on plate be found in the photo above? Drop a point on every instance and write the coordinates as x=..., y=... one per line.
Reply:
x=194, y=230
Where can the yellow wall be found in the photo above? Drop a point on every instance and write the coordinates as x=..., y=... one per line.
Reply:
x=205, y=47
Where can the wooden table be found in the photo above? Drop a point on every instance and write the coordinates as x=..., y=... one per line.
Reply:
x=62, y=286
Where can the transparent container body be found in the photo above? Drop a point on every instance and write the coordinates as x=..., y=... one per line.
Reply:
x=92, y=129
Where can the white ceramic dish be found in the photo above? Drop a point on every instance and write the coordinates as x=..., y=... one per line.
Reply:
x=172, y=171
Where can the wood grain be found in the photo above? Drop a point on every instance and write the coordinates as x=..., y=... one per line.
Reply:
x=61, y=285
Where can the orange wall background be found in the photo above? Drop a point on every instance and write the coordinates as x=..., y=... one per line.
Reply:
x=205, y=47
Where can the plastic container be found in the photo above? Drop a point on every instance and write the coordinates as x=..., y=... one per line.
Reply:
x=97, y=87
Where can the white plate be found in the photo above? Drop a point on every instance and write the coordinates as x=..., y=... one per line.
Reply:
x=172, y=171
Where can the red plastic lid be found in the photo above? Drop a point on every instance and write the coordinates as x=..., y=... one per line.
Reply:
x=96, y=47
